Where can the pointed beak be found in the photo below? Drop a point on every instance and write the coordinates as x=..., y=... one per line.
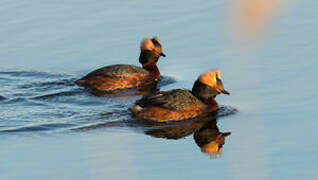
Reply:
x=162, y=54
x=225, y=92
x=226, y=134
x=220, y=87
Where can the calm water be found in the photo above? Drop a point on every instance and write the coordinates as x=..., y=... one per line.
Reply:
x=52, y=129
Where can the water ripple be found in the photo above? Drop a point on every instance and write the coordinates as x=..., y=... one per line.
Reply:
x=46, y=102
x=166, y=80
x=48, y=85
x=36, y=128
x=31, y=74
x=226, y=111
x=58, y=94
x=15, y=100
x=2, y=98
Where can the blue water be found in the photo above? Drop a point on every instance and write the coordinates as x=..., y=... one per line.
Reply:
x=52, y=129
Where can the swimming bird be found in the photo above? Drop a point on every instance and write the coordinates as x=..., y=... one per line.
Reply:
x=123, y=76
x=180, y=104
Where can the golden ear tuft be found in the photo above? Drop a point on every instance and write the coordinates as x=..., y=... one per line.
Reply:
x=218, y=72
x=208, y=78
x=146, y=44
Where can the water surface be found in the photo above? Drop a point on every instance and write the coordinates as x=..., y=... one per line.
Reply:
x=52, y=129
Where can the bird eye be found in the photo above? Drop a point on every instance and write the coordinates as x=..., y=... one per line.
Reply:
x=156, y=43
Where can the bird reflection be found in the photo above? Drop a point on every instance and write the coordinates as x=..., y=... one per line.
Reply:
x=210, y=139
x=205, y=132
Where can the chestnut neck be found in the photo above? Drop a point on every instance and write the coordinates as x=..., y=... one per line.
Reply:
x=153, y=69
x=211, y=102
x=148, y=59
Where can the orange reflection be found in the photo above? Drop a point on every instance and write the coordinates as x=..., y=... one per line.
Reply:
x=251, y=17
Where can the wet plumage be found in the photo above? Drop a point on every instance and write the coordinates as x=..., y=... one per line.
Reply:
x=118, y=70
x=176, y=99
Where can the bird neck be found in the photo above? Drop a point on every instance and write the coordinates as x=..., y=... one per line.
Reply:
x=148, y=59
x=211, y=102
x=147, y=56
x=206, y=94
x=153, y=69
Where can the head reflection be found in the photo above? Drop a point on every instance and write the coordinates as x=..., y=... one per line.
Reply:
x=205, y=132
x=210, y=139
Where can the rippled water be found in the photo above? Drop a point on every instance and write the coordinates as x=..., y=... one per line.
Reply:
x=52, y=129
x=39, y=101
